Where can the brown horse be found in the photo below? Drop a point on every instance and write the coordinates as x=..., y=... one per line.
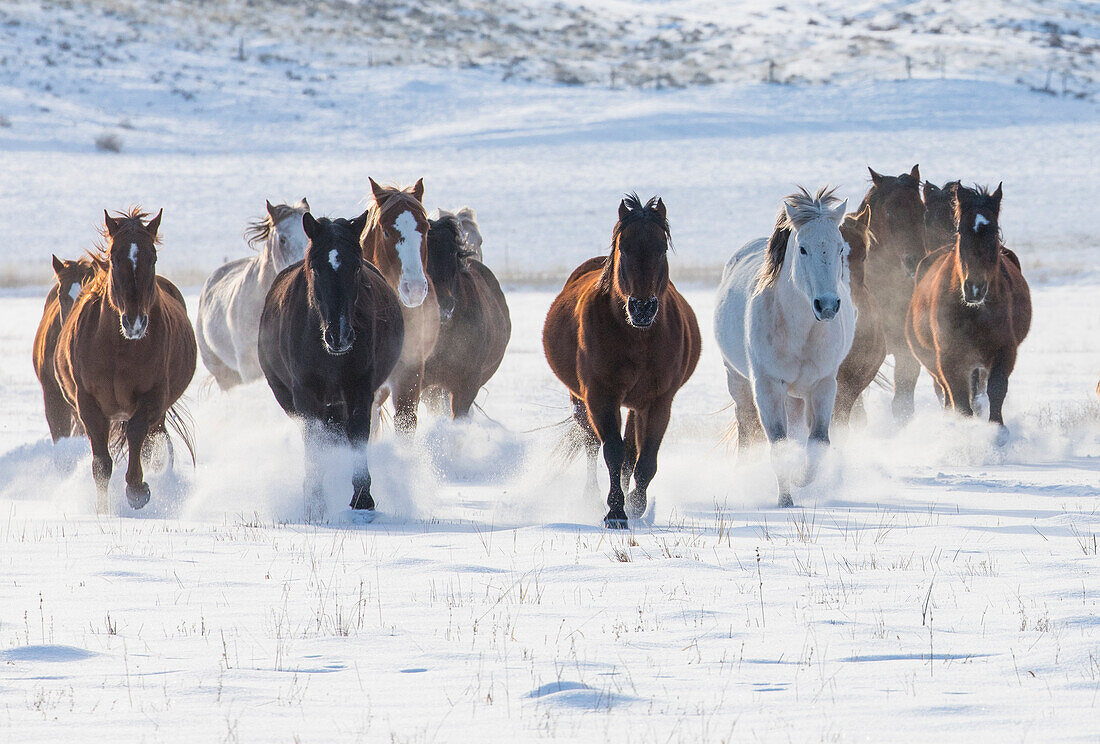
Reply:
x=395, y=241
x=127, y=352
x=897, y=246
x=71, y=277
x=620, y=335
x=330, y=333
x=939, y=215
x=868, y=351
x=476, y=325
x=971, y=309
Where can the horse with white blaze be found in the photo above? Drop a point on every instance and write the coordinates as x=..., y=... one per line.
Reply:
x=784, y=321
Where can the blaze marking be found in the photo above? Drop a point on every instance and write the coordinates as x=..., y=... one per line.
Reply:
x=979, y=220
x=334, y=260
x=134, y=254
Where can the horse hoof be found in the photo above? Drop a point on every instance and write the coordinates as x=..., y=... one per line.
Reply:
x=138, y=496
x=616, y=521
x=1002, y=436
x=785, y=501
x=636, y=505
x=361, y=516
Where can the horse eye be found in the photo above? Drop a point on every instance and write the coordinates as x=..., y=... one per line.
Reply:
x=803, y=250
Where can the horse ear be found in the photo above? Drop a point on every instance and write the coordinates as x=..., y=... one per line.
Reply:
x=839, y=212
x=154, y=224
x=375, y=189
x=863, y=219
x=915, y=173
x=876, y=178
x=270, y=209
x=304, y=204
x=358, y=224
x=58, y=264
x=418, y=190
x=623, y=210
x=309, y=225
x=110, y=222
x=660, y=208
x=997, y=194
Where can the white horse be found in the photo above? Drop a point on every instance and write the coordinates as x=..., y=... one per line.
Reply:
x=468, y=229
x=228, y=324
x=784, y=322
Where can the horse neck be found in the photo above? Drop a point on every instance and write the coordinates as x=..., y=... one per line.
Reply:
x=265, y=262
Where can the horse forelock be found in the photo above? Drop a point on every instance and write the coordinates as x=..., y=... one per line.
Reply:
x=804, y=208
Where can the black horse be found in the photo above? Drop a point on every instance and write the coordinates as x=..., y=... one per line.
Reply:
x=475, y=323
x=330, y=334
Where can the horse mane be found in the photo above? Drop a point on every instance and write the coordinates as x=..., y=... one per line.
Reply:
x=805, y=208
x=259, y=230
x=448, y=245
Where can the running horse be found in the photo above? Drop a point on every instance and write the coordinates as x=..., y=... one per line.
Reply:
x=70, y=279
x=329, y=336
x=620, y=335
x=971, y=309
x=127, y=352
x=395, y=241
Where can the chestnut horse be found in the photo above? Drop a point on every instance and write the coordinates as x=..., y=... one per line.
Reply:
x=939, y=215
x=971, y=309
x=71, y=277
x=476, y=325
x=897, y=246
x=868, y=351
x=330, y=334
x=620, y=335
x=127, y=352
x=394, y=240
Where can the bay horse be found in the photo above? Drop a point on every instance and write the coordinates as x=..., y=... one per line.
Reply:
x=620, y=335
x=939, y=215
x=70, y=279
x=971, y=309
x=395, y=241
x=227, y=326
x=897, y=246
x=476, y=324
x=330, y=334
x=784, y=321
x=868, y=351
x=127, y=352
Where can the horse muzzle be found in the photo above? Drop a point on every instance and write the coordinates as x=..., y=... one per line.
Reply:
x=338, y=340
x=412, y=293
x=446, y=309
x=910, y=263
x=641, y=313
x=974, y=292
x=826, y=306
x=135, y=329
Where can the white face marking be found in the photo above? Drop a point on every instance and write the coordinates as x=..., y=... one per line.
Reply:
x=134, y=254
x=334, y=260
x=74, y=290
x=979, y=220
x=413, y=285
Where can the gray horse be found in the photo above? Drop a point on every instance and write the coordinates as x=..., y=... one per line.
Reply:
x=228, y=324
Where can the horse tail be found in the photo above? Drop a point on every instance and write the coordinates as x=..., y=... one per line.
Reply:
x=177, y=418
x=882, y=379
x=570, y=444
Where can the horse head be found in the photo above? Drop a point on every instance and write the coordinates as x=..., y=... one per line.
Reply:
x=281, y=233
x=398, y=226
x=71, y=276
x=978, y=245
x=333, y=261
x=939, y=214
x=639, y=258
x=447, y=255
x=856, y=231
x=132, y=267
x=897, y=215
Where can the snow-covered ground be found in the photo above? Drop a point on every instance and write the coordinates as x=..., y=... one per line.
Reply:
x=929, y=586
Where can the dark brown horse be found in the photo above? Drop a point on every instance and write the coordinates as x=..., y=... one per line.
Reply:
x=897, y=246
x=127, y=352
x=971, y=309
x=939, y=215
x=330, y=334
x=476, y=325
x=859, y=368
x=620, y=335
x=395, y=240
x=71, y=277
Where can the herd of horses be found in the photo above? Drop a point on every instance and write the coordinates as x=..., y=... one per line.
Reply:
x=341, y=315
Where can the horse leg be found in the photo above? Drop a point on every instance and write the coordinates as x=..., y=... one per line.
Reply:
x=956, y=379
x=358, y=431
x=316, y=437
x=59, y=414
x=631, y=435
x=941, y=392
x=770, y=397
x=998, y=384
x=406, y=399
x=137, y=428
x=749, y=431
x=820, y=405
x=979, y=396
x=847, y=392
x=651, y=430
x=98, y=429
x=906, y=372
x=607, y=420
x=589, y=441
x=461, y=403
